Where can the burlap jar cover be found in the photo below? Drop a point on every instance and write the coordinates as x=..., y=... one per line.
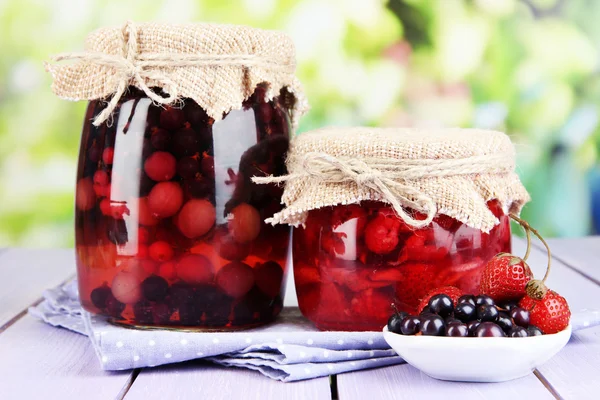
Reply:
x=217, y=66
x=432, y=171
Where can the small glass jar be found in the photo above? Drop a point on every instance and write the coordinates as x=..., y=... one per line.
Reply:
x=169, y=225
x=352, y=262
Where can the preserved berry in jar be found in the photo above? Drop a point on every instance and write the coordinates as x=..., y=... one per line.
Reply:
x=169, y=225
x=352, y=262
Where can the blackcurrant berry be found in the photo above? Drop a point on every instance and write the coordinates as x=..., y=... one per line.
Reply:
x=410, y=325
x=155, y=288
x=457, y=330
x=467, y=298
x=489, y=329
x=487, y=313
x=472, y=326
x=452, y=320
x=100, y=295
x=484, y=300
x=520, y=316
x=518, y=331
x=504, y=321
x=441, y=304
x=426, y=310
x=432, y=325
x=509, y=305
x=465, y=312
x=395, y=321
x=533, y=330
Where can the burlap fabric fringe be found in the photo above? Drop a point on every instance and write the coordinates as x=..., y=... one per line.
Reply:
x=453, y=172
x=218, y=66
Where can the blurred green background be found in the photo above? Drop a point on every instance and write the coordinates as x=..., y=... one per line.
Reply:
x=528, y=67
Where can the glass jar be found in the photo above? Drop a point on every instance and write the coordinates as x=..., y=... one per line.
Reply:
x=169, y=225
x=352, y=262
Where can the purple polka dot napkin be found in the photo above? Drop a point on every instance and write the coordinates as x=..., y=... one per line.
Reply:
x=289, y=349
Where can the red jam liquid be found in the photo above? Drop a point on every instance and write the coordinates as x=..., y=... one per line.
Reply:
x=169, y=226
x=352, y=262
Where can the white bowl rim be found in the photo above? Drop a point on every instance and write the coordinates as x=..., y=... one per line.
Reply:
x=443, y=340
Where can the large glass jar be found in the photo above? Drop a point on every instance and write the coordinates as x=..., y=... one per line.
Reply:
x=352, y=262
x=169, y=225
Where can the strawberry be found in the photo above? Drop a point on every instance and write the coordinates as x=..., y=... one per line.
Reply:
x=415, y=281
x=551, y=314
x=504, y=277
x=451, y=291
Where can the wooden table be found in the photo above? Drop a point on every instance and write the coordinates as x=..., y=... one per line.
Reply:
x=39, y=361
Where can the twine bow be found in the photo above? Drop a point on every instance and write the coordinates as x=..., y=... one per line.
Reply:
x=391, y=178
x=141, y=69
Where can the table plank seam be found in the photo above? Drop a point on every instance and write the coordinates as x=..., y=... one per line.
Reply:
x=22, y=313
x=568, y=264
x=128, y=384
x=547, y=384
x=333, y=386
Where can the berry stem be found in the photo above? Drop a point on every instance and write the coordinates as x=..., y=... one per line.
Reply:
x=528, y=228
x=528, y=234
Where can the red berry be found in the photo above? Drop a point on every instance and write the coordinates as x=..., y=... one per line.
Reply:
x=102, y=190
x=196, y=218
x=551, y=314
x=108, y=155
x=188, y=167
x=142, y=251
x=165, y=199
x=236, y=279
x=149, y=266
x=268, y=277
x=447, y=223
x=504, y=278
x=228, y=248
x=161, y=251
x=244, y=223
x=143, y=235
x=160, y=166
x=415, y=281
x=168, y=270
x=195, y=269
x=85, y=197
x=160, y=138
x=145, y=216
x=101, y=178
x=172, y=118
x=453, y=292
x=381, y=234
x=208, y=166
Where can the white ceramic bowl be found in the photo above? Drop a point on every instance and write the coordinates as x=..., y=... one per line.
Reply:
x=477, y=359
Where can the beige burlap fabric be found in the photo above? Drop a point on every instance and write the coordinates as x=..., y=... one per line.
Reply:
x=218, y=66
x=446, y=171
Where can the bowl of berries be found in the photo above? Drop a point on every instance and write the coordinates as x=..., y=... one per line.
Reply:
x=513, y=326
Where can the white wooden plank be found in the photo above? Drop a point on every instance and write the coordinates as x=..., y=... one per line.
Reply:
x=406, y=382
x=202, y=381
x=26, y=273
x=582, y=254
x=42, y=362
x=574, y=372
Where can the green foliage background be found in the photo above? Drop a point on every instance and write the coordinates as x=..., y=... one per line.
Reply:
x=529, y=67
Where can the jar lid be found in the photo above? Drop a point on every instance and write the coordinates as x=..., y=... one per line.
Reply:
x=431, y=171
x=218, y=66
